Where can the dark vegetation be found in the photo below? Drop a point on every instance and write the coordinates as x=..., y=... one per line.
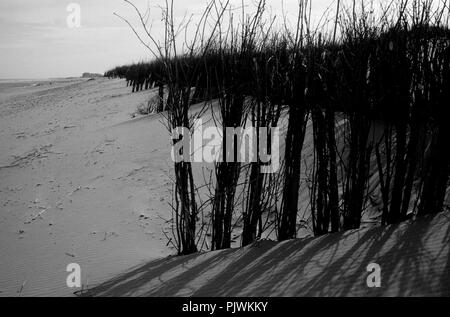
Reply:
x=385, y=76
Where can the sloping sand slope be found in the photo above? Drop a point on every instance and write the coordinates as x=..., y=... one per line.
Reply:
x=80, y=182
x=83, y=182
x=413, y=256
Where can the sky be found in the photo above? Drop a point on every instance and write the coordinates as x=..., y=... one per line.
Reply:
x=36, y=40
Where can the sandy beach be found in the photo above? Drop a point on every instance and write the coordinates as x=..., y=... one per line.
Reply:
x=87, y=180
x=228, y=149
x=81, y=181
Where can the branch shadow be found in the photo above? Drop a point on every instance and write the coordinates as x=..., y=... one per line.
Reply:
x=414, y=258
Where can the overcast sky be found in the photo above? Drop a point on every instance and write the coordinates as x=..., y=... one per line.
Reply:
x=36, y=42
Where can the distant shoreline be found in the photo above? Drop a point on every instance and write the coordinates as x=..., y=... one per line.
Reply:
x=14, y=80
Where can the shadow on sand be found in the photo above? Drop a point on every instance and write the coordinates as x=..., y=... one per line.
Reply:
x=414, y=258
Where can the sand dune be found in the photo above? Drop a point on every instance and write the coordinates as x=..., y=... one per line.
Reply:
x=82, y=180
